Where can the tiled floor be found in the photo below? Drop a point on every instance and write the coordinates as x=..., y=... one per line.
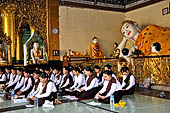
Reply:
x=135, y=104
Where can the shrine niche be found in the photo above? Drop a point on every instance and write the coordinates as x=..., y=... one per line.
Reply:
x=17, y=13
x=5, y=46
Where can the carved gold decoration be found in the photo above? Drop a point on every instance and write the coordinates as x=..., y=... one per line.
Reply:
x=34, y=11
x=5, y=38
x=15, y=13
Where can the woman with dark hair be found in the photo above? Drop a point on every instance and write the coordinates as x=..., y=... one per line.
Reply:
x=67, y=80
x=99, y=75
x=3, y=77
x=13, y=80
x=91, y=85
x=79, y=81
x=111, y=87
x=128, y=84
x=21, y=80
x=81, y=69
x=36, y=75
x=47, y=91
x=57, y=76
x=28, y=84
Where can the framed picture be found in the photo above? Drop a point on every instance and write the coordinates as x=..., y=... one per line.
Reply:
x=56, y=52
x=165, y=11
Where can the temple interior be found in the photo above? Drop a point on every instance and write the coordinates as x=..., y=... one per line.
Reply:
x=90, y=56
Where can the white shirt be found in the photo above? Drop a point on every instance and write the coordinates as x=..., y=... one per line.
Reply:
x=14, y=81
x=25, y=88
x=11, y=78
x=21, y=83
x=71, y=73
x=52, y=77
x=93, y=84
x=67, y=82
x=8, y=74
x=3, y=77
x=132, y=81
x=37, y=91
x=79, y=81
x=101, y=82
x=56, y=81
x=113, y=75
x=50, y=88
x=114, y=87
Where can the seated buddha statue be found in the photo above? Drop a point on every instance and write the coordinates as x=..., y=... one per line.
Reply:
x=2, y=52
x=116, y=51
x=144, y=39
x=95, y=50
x=36, y=53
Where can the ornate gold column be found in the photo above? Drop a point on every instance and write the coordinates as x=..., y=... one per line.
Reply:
x=9, y=55
x=8, y=21
x=53, y=28
x=19, y=48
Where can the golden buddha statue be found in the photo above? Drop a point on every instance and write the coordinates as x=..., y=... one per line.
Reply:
x=2, y=52
x=36, y=53
x=116, y=51
x=95, y=50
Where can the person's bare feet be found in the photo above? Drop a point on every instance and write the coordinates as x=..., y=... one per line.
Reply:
x=57, y=101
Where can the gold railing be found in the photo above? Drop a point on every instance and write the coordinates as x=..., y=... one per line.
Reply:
x=153, y=68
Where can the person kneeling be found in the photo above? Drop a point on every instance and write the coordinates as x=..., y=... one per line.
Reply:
x=128, y=84
x=47, y=91
x=111, y=87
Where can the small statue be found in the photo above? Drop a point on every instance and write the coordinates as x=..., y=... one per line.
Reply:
x=116, y=51
x=95, y=50
x=36, y=53
x=2, y=52
x=72, y=53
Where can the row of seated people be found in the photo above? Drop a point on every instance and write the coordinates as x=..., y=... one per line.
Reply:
x=83, y=84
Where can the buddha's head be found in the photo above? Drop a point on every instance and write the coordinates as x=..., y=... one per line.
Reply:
x=95, y=40
x=36, y=45
x=156, y=47
x=128, y=29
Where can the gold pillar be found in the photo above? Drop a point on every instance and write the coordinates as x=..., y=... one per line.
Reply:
x=9, y=55
x=9, y=25
x=19, y=47
x=53, y=25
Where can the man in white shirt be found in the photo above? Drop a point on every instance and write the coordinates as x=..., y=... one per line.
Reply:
x=128, y=84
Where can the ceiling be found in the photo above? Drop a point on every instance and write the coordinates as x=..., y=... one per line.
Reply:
x=112, y=5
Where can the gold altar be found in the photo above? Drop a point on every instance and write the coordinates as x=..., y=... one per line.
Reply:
x=38, y=14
